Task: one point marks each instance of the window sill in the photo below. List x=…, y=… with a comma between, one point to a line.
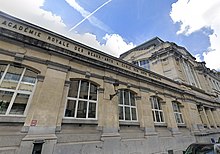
x=129, y=123
x=181, y=125
x=160, y=124
x=12, y=119
x=79, y=121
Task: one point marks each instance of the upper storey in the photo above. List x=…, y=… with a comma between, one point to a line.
x=174, y=62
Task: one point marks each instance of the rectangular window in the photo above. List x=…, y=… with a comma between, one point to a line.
x=177, y=113
x=157, y=111
x=16, y=86
x=127, y=108
x=82, y=100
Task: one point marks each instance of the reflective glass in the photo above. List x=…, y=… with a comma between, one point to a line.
x=5, y=98
x=81, y=110
x=12, y=77
x=73, y=90
x=19, y=104
x=70, y=108
x=93, y=92
x=92, y=110
x=84, y=87
x=134, y=115
x=127, y=113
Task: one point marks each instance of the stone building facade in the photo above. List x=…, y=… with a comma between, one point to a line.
x=60, y=96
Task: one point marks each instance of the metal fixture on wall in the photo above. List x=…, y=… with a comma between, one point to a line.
x=116, y=85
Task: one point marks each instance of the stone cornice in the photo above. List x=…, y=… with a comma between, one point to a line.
x=20, y=31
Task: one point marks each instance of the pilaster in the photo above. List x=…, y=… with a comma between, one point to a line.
x=171, y=121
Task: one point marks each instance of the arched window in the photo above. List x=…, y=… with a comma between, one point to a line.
x=82, y=100
x=127, y=106
x=177, y=113
x=157, y=111
x=16, y=86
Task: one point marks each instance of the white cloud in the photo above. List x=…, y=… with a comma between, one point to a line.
x=114, y=45
x=198, y=58
x=193, y=15
x=32, y=12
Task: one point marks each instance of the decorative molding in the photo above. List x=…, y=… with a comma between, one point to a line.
x=40, y=78
x=138, y=97
x=101, y=90
x=19, y=57
x=67, y=83
x=87, y=75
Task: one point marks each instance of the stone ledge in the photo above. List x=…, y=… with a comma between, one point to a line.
x=12, y=119
x=160, y=124
x=128, y=123
x=79, y=121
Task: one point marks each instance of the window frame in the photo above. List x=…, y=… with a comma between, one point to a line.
x=123, y=105
x=77, y=99
x=16, y=91
x=178, y=113
x=154, y=110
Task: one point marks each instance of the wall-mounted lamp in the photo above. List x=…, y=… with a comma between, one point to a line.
x=115, y=84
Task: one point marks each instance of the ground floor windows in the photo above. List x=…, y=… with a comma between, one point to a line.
x=16, y=86
x=82, y=100
x=127, y=106
x=157, y=111
x=177, y=113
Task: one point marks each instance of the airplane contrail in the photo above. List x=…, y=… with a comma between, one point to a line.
x=90, y=15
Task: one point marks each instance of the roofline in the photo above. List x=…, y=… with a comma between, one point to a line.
x=129, y=51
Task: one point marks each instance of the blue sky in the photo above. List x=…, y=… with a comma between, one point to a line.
x=118, y=25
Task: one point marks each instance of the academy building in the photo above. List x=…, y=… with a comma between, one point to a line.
x=59, y=96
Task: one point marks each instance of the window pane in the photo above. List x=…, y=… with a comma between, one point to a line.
x=161, y=117
x=126, y=97
x=93, y=92
x=5, y=98
x=92, y=110
x=156, y=103
x=175, y=107
x=70, y=108
x=134, y=115
x=2, y=69
x=12, y=77
x=132, y=99
x=28, y=80
x=177, y=117
x=73, y=90
x=152, y=102
x=121, y=116
x=19, y=104
x=29, y=76
x=157, y=116
x=120, y=97
x=181, y=118
x=127, y=113
x=81, y=111
x=153, y=116
x=84, y=90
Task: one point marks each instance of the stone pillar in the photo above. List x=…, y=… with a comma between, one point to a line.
x=216, y=116
x=42, y=116
x=205, y=118
x=62, y=106
x=211, y=118
x=110, y=112
x=171, y=121
x=188, y=119
x=145, y=114
x=193, y=119
x=110, y=122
